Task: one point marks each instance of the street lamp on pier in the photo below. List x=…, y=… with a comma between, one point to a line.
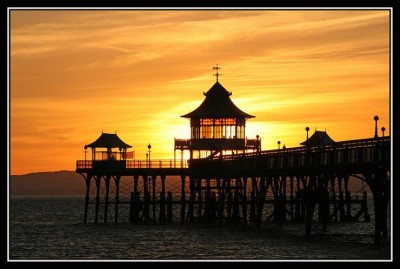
x=307, y=129
x=149, y=147
x=376, y=118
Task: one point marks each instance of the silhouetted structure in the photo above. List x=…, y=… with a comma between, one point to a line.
x=319, y=138
x=217, y=126
x=228, y=178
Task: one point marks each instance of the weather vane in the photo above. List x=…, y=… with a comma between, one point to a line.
x=217, y=74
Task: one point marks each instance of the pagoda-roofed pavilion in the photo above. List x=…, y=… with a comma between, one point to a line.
x=108, y=142
x=217, y=125
x=319, y=138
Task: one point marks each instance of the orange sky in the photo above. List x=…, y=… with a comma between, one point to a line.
x=74, y=74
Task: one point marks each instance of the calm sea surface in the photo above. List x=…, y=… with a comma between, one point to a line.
x=51, y=228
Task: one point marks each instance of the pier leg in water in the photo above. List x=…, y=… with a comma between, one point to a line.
x=96, y=213
x=222, y=196
x=229, y=202
x=348, y=199
x=324, y=207
x=334, y=201
x=292, y=218
x=146, y=199
x=365, y=205
x=214, y=206
x=107, y=181
x=183, y=199
x=253, y=200
x=235, y=207
x=380, y=187
x=135, y=208
x=207, y=201
x=297, y=209
x=310, y=206
x=169, y=207
x=260, y=200
x=341, y=200
x=200, y=200
x=117, y=179
x=191, y=199
x=87, y=180
x=302, y=196
x=310, y=199
x=244, y=199
x=135, y=183
x=153, y=177
x=162, y=217
x=132, y=208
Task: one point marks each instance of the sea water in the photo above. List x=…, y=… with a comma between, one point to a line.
x=51, y=228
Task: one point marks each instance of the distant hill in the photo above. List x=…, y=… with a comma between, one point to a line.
x=48, y=183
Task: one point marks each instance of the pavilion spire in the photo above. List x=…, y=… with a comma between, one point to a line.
x=217, y=74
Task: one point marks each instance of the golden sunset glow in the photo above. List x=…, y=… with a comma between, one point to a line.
x=74, y=74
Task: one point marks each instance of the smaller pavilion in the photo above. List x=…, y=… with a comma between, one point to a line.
x=319, y=138
x=109, y=142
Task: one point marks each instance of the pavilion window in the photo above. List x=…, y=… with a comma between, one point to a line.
x=220, y=128
x=206, y=131
x=218, y=131
x=195, y=132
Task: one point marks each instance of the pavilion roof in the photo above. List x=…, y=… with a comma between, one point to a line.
x=217, y=104
x=319, y=138
x=108, y=141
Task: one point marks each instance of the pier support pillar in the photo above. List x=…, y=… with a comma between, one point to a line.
x=244, y=198
x=341, y=200
x=365, y=207
x=253, y=200
x=106, y=202
x=380, y=187
x=136, y=206
x=310, y=201
x=292, y=218
x=162, y=200
x=348, y=216
x=87, y=180
x=334, y=201
x=153, y=199
x=169, y=207
x=96, y=213
x=135, y=183
x=191, y=199
x=117, y=180
x=183, y=199
x=146, y=199
x=235, y=207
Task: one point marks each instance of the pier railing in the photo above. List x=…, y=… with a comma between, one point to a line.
x=353, y=152
x=130, y=164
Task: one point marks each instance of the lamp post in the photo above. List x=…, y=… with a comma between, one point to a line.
x=376, y=118
x=258, y=143
x=149, y=147
x=307, y=129
x=383, y=131
x=85, y=147
x=279, y=144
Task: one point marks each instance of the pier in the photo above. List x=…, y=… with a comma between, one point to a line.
x=229, y=178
